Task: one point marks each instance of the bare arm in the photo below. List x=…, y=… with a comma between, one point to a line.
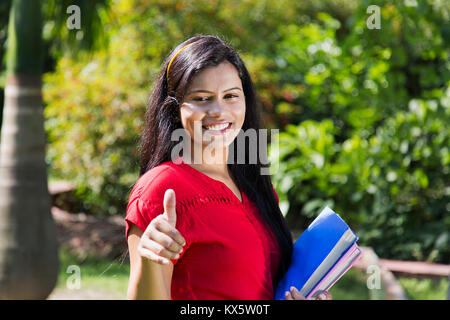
x=150, y=252
x=148, y=279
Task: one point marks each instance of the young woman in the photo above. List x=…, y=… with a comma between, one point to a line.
x=208, y=226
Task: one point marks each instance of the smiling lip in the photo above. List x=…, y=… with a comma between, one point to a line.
x=217, y=124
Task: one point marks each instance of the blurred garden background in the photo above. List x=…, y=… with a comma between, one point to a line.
x=363, y=117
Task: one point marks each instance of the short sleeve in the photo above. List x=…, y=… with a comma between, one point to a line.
x=141, y=213
x=146, y=202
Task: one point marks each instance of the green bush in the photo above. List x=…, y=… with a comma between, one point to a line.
x=93, y=125
x=392, y=188
x=363, y=114
x=425, y=289
x=95, y=103
x=373, y=138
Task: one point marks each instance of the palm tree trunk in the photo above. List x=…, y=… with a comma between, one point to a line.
x=28, y=247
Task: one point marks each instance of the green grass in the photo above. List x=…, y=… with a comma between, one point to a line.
x=112, y=277
x=95, y=273
x=424, y=289
x=108, y=276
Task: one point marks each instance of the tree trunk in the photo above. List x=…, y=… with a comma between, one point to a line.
x=28, y=246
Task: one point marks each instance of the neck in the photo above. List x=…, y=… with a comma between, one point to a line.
x=211, y=160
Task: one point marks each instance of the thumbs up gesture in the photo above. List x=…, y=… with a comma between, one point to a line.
x=169, y=207
x=161, y=241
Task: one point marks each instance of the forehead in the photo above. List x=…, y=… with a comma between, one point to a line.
x=224, y=75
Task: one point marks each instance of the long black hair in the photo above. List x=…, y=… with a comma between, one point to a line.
x=161, y=120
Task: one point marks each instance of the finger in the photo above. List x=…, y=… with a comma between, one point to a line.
x=296, y=294
x=327, y=295
x=158, y=249
x=165, y=241
x=169, y=207
x=147, y=254
x=324, y=295
x=164, y=226
x=288, y=296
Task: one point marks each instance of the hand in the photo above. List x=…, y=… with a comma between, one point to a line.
x=294, y=294
x=161, y=241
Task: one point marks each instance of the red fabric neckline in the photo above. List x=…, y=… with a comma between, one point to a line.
x=208, y=179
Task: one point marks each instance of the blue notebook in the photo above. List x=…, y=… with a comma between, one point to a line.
x=315, y=252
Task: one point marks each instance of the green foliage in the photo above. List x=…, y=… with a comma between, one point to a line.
x=93, y=125
x=391, y=187
x=363, y=113
x=424, y=289
x=352, y=286
x=96, y=102
x=91, y=36
x=381, y=156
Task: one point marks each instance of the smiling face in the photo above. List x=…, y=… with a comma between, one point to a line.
x=213, y=108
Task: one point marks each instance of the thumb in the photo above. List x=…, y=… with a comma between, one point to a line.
x=169, y=207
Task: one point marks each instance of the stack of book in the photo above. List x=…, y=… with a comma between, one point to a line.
x=321, y=255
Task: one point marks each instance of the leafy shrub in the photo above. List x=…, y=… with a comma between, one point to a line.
x=425, y=289
x=95, y=103
x=371, y=139
x=93, y=125
x=362, y=112
x=392, y=188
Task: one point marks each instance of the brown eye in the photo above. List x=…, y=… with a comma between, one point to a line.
x=229, y=96
x=201, y=99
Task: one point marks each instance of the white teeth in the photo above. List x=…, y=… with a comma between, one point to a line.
x=217, y=127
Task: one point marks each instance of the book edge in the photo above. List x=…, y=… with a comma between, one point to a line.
x=323, y=268
x=350, y=259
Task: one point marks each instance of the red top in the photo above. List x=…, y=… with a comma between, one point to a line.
x=229, y=253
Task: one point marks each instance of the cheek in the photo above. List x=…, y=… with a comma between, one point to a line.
x=189, y=116
x=239, y=113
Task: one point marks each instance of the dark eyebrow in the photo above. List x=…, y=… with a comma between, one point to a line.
x=206, y=91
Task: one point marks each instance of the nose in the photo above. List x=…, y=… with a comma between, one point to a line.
x=215, y=109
